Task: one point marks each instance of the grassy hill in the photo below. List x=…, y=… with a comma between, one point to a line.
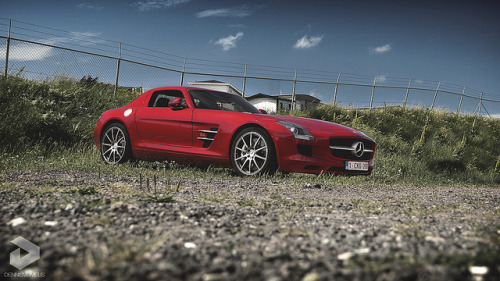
x=55, y=119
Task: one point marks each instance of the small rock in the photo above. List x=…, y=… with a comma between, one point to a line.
x=478, y=270
x=345, y=256
x=50, y=223
x=73, y=249
x=362, y=251
x=17, y=221
x=317, y=185
x=433, y=239
x=189, y=245
x=132, y=207
x=312, y=276
x=118, y=205
x=214, y=276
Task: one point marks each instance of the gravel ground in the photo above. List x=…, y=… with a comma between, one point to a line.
x=92, y=227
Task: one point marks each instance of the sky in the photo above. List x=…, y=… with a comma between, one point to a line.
x=456, y=42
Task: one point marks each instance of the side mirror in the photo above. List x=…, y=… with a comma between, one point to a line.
x=176, y=104
x=263, y=111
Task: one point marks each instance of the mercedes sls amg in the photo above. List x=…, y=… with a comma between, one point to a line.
x=200, y=126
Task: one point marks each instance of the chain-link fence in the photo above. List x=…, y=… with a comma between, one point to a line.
x=37, y=52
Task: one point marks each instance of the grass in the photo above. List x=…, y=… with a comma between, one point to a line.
x=415, y=146
x=247, y=202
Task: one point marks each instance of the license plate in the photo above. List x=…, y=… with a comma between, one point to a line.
x=356, y=166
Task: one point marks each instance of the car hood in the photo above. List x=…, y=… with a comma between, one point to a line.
x=320, y=127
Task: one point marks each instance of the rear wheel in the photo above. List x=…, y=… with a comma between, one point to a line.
x=115, y=144
x=252, y=153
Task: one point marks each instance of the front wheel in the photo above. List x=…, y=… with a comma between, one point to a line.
x=115, y=144
x=252, y=153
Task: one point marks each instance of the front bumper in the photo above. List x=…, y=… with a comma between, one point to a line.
x=316, y=157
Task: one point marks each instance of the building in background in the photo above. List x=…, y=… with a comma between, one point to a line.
x=216, y=86
x=277, y=102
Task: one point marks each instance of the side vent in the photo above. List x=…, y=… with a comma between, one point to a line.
x=208, y=136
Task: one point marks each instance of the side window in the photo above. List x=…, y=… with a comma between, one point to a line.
x=162, y=98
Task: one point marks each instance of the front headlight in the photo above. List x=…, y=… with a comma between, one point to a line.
x=297, y=131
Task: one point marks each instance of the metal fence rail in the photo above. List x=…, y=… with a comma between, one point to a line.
x=38, y=52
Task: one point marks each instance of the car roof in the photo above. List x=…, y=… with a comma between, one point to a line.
x=187, y=89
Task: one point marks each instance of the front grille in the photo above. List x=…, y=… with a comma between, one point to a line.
x=351, y=149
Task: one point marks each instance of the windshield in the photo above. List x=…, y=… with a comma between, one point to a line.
x=221, y=101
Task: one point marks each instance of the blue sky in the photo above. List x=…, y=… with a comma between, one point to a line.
x=455, y=42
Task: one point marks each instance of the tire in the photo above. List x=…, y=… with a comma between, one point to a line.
x=115, y=144
x=253, y=153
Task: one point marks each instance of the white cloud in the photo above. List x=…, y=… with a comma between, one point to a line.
x=307, y=42
x=239, y=25
x=149, y=5
x=229, y=42
x=497, y=115
x=381, y=49
x=89, y=6
x=24, y=52
x=33, y=52
x=85, y=38
x=238, y=12
x=381, y=78
x=79, y=38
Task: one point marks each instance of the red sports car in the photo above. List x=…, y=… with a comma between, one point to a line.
x=207, y=127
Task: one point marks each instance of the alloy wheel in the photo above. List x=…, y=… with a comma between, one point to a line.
x=251, y=153
x=113, y=145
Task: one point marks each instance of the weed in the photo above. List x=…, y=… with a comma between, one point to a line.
x=158, y=197
x=411, y=230
x=8, y=185
x=102, y=219
x=246, y=202
x=214, y=199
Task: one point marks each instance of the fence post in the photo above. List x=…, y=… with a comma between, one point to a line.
x=293, y=91
x=435, y=96
x=244, y=80
x=373, y=92
x=461, y=99
x=7, y=51
x=118, y=69
x=480, y=104
x=407, y=92
x=336, y=87
x=182, y=73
